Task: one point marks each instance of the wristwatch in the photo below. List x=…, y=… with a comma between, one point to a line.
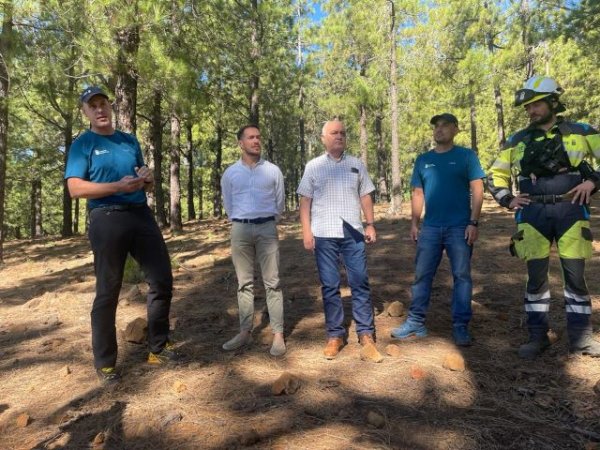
x=474, y=222
x=370, y=223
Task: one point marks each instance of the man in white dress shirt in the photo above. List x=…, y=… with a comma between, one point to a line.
x=254, y=198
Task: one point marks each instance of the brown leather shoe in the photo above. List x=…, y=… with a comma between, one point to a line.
x=369, y=352
x=333, y=347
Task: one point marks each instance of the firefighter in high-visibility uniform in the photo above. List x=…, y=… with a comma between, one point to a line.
x=555, y=185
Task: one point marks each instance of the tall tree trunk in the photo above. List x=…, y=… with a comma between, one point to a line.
x=76, y=217
x=497, y=93
x=254, y=58
x=200, y=190
x=127, y=40
x=364, y=140
x=36, y=208
x=301, y=120
x=190, y=161
x=396, y=204
x=382, y=186
x=67, y=222
x=525, y=16
x=271, y=149
x=175, y=181
x=157, y=156
x=216, y=174
x=5, y=58
x=473, y=117
x=67, y=219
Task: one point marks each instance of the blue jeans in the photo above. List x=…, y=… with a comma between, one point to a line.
x=352, y=250
x=430, y=246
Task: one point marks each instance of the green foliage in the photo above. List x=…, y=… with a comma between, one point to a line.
x=203, y=56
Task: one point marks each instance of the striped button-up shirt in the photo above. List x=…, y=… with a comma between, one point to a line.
x=252, y=192
x=335, y=188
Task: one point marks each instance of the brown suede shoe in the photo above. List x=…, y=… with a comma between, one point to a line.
x=369, y=352
x=333, y=347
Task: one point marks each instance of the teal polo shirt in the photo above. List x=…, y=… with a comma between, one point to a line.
x=105, y=159
x=445, y=179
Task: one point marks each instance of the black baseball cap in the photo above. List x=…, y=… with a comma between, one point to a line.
x=89, y=92
x=450, y=118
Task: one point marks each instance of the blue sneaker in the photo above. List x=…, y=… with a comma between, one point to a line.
x=408, y=329
x=461, y=335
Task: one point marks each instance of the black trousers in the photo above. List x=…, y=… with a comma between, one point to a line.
x=113, y=234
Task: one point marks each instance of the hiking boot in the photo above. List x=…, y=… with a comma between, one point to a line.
x=581, y=342
x=408, y=329
x=534, y=348
x=369, y=352
x=108, y=376
x=461, y=336
x=333, y=347
x=238, y=341
x=167, y=355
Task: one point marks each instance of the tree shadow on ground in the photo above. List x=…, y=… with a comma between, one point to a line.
x=499, y=402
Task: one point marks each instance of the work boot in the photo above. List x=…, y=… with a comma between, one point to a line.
x=333, y=347
x=369, y=352
x=581, y=341
x=535, y=347
x=409, y=329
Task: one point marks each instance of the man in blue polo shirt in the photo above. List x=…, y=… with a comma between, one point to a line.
x=106, y=167
x=448, y=181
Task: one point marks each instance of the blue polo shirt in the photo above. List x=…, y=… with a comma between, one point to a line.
x=445, y=179
x=106, y=159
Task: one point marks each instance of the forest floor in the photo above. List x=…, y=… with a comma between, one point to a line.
x=50, y=397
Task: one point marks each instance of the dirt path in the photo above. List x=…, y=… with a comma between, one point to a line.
x=224, y=400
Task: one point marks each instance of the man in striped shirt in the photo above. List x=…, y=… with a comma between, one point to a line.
x=334, y=189
x=254, y=198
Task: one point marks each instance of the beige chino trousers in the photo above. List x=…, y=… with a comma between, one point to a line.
x=250, y=243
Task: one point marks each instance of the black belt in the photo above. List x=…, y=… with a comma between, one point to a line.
x=256, y=221
x=121, y=206
x=549, y=198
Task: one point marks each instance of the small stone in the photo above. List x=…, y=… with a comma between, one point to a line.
x=395, y=309
x=454, y=362
x=131, y=294
x=99, y=439
x=553, y=337
x=502, y=316
x=179, y=386
x=417, y=373
x=393, y=350
x=171, y=417
x=375, y=419
x=544, y=400
x=286, y=383
x=65, y=371
x=597, y=388
x=23, y=420
x=329, y=382
x=250, y=437
x=136, y=331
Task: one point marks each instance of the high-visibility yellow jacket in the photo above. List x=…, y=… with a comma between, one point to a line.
x=580, y=140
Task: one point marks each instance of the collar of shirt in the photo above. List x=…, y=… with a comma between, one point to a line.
x=341, y=158
x=258, y=163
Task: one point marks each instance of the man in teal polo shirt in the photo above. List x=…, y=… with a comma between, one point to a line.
x=448, y=181
x=106, y=167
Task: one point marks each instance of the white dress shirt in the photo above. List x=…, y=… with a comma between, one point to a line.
x=253, y=192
